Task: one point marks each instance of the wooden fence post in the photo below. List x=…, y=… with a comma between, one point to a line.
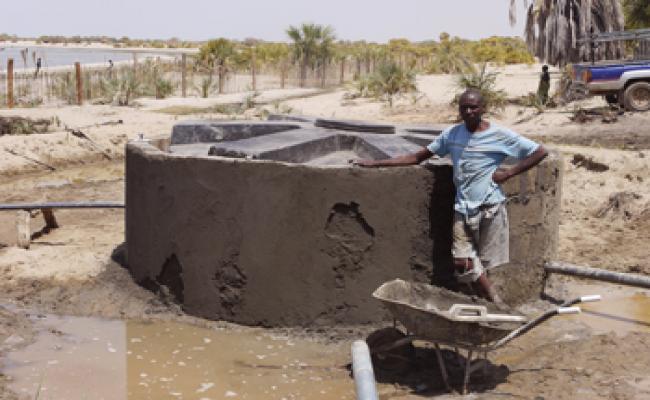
x=23, y=228
x=10, y=83
x=184, y=75
x=80, y=88
x=89, y=85
x=253, y=70
x=342, y=77
x=135, y=63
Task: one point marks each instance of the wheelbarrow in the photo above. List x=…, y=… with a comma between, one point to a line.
x=443, y=317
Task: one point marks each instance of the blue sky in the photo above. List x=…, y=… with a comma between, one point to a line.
x=377, y=20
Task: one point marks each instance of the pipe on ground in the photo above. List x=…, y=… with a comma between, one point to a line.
x=50, y=205
x=364, y=377
x=598, y=274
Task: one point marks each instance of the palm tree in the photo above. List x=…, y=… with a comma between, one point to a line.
x=311, y=44
x=553, y=28
x=637, y=14
x=342, y=53
x=219, y=54
x=391, y=80
x=450, y=57
x=276, y=54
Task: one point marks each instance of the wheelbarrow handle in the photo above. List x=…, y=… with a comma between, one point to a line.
x=583, y=299
x=590, y=298
x=565, y=308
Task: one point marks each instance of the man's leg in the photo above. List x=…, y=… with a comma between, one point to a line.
x=481, y=285
x=488, y=290
x=493, y=245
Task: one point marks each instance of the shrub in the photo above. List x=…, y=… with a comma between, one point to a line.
x=205, y=86
x=484, y=82
x=389, y=80
x=121, y=90
x=164, y=87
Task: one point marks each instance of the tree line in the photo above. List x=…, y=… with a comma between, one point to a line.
x=314, y=48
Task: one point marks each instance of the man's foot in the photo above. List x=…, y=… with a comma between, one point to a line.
x=500, y=303
x=494, y=297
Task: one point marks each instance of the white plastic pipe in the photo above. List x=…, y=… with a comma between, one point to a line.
x=590, y=298
x=364, y=377
x=569, y=310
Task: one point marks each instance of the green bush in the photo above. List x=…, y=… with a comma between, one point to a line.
x=205, y=86
x=388, y=80
x=484, y=82
x=501, y=50
x=121, y=90
x=164, y=88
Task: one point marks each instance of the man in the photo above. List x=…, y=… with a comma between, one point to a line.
x=477, y=148
x=38, y=67
x=544, y=85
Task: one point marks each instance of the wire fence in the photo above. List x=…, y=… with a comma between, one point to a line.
x=163, y=77
x=642, y=51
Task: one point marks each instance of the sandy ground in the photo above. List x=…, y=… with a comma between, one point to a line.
x=605, y=223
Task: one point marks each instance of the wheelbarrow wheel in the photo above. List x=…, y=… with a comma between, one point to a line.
x=385, y=356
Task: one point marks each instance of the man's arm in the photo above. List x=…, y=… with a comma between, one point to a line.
x=408, y=159
x=503, y=174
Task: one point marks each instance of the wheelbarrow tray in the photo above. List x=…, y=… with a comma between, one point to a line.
x=424, y=311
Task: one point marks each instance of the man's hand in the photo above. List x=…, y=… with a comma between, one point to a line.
x=501, y=175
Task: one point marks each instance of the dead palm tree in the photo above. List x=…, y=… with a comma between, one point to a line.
x=553, y=28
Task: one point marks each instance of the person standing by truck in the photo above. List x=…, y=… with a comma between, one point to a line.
x=544, y=85
x=477, y=148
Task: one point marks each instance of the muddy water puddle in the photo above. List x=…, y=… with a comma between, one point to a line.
x=85, y=358
x=619, y=313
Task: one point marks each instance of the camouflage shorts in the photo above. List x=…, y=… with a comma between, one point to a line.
x=484, y=238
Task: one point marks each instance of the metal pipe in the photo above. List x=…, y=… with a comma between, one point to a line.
x=50, y=205
x=364, y=377
x=598, y=274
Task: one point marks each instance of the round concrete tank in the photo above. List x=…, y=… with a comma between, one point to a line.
x=265, y=223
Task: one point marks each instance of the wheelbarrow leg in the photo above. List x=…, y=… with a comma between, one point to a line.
x=468, y=363
x=443, y=368
x=485, y=364
x=459, y=358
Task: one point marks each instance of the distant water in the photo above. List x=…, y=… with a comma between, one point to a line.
x=56, y=57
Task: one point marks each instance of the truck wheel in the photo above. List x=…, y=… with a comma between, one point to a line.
x=637, y=96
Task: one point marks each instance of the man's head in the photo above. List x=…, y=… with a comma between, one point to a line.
x=545, y=68
x=471, y=107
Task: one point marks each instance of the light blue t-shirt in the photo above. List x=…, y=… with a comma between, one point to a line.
x=475, y=157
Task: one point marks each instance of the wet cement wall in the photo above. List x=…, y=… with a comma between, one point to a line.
x=280, y=244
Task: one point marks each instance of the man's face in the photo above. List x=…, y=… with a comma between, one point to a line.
x=470, y=109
